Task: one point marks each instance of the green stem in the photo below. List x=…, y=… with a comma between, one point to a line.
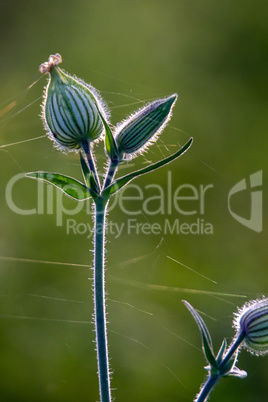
x=99, y=302
x=232, y=350
x=110, y=174
x=207, y=387
x=91, y=163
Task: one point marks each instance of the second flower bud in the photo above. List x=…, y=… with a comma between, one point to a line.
x=140, y=130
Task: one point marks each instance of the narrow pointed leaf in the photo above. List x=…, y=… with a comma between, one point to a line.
x=110, y=144
x=221, y=352
x=229, y=366
x=236, y=372
x=68, y=185
x=206, y=338
x=122, y=181
x=85, y=169
x=93, y=185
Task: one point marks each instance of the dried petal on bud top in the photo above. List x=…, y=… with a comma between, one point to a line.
x=252, y=322
x=140, y=130
x=53, y=60
x=69, y=108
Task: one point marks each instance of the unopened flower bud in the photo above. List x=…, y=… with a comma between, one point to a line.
x=140, y=130
x=69, y=108
x=252, y=322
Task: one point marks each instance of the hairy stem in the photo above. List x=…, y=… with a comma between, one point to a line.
x=233, y=348
x=91, y=162
x=207, y=387
x=99, y=302
x=110, y=174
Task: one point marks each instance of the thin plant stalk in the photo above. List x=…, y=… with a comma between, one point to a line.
x=99, y=288
x=91, y=162
x=110, y=174
x=99, y=301
x=207, y=387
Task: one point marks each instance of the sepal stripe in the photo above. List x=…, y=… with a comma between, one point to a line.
x=148, y=126
x=149, y=123
x=58, y=118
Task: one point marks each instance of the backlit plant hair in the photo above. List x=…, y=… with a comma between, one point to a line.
x=75, y=118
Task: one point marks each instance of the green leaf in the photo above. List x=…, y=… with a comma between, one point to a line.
x=88, y=176
x=206, y=338
x=85, y=169
x=221, y=352
x=236, y=372
x=110, y=144
x=229, y=365
x=122, y=181
x=67, y=184
x=93, y=185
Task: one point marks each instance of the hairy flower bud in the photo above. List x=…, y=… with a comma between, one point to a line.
x=143, y=128
x=69, y=108
x=252, y=322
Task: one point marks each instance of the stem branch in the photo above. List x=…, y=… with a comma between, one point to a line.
x=91, y=162
x=213, y=378
x=232, y=349
x=110, y=174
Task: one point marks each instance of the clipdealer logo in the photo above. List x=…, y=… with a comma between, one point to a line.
x=183, y=207
x=254, y=191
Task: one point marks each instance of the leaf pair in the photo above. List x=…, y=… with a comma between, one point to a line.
x=79, y=191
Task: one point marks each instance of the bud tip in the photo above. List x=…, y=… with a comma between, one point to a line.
x=53, y=60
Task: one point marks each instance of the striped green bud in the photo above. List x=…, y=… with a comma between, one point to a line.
x=140, y=130
x=252, y=322
x=69, y=110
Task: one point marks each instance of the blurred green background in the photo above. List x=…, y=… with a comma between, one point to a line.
x=214, y=55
